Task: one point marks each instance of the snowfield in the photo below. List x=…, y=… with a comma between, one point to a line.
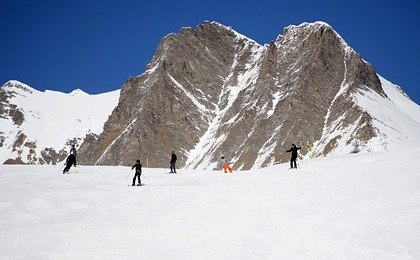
x=52, y=118
x=354, y=206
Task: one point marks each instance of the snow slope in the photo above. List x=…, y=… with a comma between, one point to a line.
x=324, y=210
x=401, y=99
x=396, y=120
x=52, y=118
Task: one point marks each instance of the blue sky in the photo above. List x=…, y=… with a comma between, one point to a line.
x=97, y=45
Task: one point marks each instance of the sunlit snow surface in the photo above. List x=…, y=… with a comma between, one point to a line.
x=353, y=206
x=52, y=118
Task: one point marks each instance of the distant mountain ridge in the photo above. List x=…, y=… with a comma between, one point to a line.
x=39, y=127
x=210, y=91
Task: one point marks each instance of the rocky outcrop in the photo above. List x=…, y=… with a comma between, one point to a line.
x=211, y=91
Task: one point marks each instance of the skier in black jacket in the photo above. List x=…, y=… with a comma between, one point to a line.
x=294, y=151
x=137, y=174
x=71, y=160
x=74, y=152
x=173, y=162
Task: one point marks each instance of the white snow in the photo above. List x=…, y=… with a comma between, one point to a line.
x=279, y=95
x=361, y=206
x=400, y=99
x=328, y=130
x=52, y=118
x=396, y=120
x=200, y=155
x=267, y=149
x=238, y=35
x=152, y=70
x=197, y=103
x=398, y=129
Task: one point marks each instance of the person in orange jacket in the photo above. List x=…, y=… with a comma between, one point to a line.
x=224, y=162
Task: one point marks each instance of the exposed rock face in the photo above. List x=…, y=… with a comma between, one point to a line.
x=171, y=105
x=12, y=111
x=210, y=91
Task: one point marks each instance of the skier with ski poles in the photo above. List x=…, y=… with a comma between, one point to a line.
x=294, y=151
x=71, y=160
x=74, y=152
x=137, y=174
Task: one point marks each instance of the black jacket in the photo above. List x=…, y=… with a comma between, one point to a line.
x=137, y=166
x=71, y=159
x=294, y=151
x=173, y=158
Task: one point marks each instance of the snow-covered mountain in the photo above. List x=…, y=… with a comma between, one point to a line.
x=395, y=120
x=39, y=127
x=210, y=91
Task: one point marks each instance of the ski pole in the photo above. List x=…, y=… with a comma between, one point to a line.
x=127, y=175
x=61, y=168
x=145, y=177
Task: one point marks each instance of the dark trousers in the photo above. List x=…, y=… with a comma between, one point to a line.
x=70, y=161
x=138, y=178
x=67, y=168
x=293, y=161
x=173, y=167
x=69, y=164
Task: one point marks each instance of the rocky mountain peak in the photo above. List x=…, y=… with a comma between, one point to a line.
x=78, y=92
x=314, y=26
x=318, y=31
x=206, y=30
x=211, y=91
x=17, y=87
x=37, y=127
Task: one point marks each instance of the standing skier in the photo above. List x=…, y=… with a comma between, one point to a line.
x=173, y=162
x=137, y=174
x=294, y=151
x=224, y=163
x=71, y=160
x=74, y=152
